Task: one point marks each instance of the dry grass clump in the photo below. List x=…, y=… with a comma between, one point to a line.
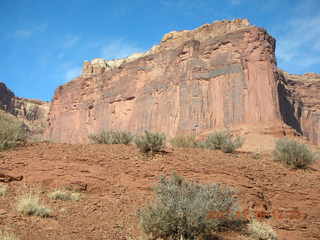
x=3, y=190
x=12, y=132
x=7, y=236
x=29, y=204
x=150, y=142
x=112, y=137
x=184, y=210
x=261, y=231
x=64, y=195
x=293, y=154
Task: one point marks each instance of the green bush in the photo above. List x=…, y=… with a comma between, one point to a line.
x=150, y=142
x=112, y=137
x=182, y=209
x=12, y=132
x=293, y=154
x=184, y=142
x=224, y=141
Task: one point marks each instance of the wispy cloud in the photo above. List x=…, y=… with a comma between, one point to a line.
x=70, y=41
x=72, y=73
x=28, y=32
x=300, y=41
x=235, y=2
x=23, y=33
x=118, y=49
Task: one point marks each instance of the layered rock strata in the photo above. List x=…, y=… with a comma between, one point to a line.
x=219, y=75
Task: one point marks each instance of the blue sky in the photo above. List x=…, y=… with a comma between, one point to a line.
x=43, y=43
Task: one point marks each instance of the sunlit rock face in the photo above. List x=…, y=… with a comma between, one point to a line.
x=219, y=75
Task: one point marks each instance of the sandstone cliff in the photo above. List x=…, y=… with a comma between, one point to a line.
x=219, y=75
x=300, y=103
x=33, y=113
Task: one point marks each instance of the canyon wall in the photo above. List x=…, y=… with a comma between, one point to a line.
x=33, y=113
x=300, y=103
x=216, y=76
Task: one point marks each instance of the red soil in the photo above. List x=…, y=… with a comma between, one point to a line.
x=116, y=180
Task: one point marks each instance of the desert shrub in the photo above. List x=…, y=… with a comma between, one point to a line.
x=223, y=140
x=293, y=154
x=184, y=142
x=150, y=142
x=183, y=210
x=112, y=137
x=261, y=231
x=12, y=132
x=7, y=236
x=3, y=189
x=64, y=195
x=29, y=204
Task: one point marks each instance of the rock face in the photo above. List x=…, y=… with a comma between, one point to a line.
x=300, y=103
x=33, y=112
x=219, y=75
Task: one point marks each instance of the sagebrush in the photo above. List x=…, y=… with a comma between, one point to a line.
x=222, y=140
x=183, y=210
x=293, y=154
x=12, y=132
x=150, y=142
x=112, y=137
x=184, y=142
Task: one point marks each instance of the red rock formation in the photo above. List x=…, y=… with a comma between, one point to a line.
x=300, y=103
x=33, y=112
x=219, y=75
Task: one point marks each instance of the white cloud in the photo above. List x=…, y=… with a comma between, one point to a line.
x=72, y=73
x=118, y=49
x=70, y=41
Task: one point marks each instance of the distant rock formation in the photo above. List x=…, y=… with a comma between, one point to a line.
x=300, y=103
x=220, y=75
x=33, y=113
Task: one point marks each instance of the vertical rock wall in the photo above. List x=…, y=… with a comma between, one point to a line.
x=219, y=75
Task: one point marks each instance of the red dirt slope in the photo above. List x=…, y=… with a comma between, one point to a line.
x=116, y=180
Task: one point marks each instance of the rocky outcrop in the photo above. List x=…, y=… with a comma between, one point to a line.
x=300, y=103
x=34, y=113
x=219, y=75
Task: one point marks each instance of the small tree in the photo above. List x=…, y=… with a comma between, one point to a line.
x=150, y=142
x=293, y=154
x=182, y=209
